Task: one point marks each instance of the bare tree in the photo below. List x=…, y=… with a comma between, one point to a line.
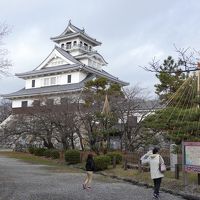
x=66, y=123
x=5, y=63
x=5, y=109
x=131, y=111
x=188, y=60
x=49, y=123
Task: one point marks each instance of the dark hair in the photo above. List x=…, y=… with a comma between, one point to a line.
x=155, y=150
x=90, y=156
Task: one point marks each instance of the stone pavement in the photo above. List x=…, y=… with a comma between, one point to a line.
x=22, y=181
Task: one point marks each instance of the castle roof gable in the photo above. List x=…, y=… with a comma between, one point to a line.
x=73, y=31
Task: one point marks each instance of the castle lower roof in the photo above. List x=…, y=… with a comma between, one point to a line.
x=49, y=90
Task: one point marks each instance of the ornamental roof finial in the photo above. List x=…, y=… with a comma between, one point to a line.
x=83, y=29
x=69, y=21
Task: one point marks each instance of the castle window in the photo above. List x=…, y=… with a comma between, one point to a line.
x=85, y=46
x=69, y=78
x=62, y=46
x=49, y=81
x=46, y=81
x=33, y=83
x=81, y=43
x=75, y=43
x=68, y=45
x=24, y=104
x=53, y=80
x=90, y=48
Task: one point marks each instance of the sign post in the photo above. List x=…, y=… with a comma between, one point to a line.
x=183, y=165
x=191, y=159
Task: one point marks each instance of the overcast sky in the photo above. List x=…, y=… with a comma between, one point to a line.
x=132, y=32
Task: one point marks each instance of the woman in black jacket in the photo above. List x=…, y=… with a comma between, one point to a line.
x=90, y=166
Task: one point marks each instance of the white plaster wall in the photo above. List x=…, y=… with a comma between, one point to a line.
x=18, y=102
x=61, y=79
x=76, y=52
x=82, y=76
x=84, y=61
x=28, y=83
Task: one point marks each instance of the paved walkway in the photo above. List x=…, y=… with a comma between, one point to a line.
x=22, y=181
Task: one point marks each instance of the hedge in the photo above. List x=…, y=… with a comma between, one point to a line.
x=72, y=156
x=39, y=151
x=31, y=150
x=118, y=156
x=47, y=153
x=101, y=162
x=54, y=154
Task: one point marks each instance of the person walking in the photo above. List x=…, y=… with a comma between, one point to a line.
x=157, y=167
x=90, y=167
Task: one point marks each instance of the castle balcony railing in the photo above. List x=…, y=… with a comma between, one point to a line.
x=79, y=46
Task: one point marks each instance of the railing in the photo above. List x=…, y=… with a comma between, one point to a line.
x=79, y=46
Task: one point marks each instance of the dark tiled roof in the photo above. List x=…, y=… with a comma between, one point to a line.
x=148, y=104
x=77, y=32
x=66, y=55
x=91, y=54
x=48, y=70
x=65, y=68
x=53, y=69
x=105, y=74
x=75, y=28
x=56, y=89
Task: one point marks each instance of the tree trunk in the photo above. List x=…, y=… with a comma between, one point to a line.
x=64, y=143
x=48, y=144
x=72, y=141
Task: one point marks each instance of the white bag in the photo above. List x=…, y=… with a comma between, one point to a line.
x=162, y=166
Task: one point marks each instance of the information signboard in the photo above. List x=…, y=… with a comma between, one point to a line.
x=191, y=156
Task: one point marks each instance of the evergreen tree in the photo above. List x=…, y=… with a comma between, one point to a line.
x=99, y=125
x=170, y=78
x=179, y=119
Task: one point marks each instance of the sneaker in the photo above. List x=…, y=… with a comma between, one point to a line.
x=155, y=196
x=84, y=186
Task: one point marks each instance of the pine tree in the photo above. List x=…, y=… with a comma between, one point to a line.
x=179, y=119
x=170, y=78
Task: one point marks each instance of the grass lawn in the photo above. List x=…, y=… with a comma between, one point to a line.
x=169, y=182
x=50, y=164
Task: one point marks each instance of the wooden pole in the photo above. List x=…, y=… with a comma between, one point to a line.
x=185, y=181
x=125, y=164
x=177, y=171
x=114, y=161
x=198, y=179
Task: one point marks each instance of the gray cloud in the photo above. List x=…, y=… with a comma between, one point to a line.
x=132, y=32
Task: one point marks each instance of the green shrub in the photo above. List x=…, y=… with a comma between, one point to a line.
x=54, y=154
x=47, y=153
x=118, y=156
x=72, y=156
x=31, y=150
x=39, y=151
x=102, y=162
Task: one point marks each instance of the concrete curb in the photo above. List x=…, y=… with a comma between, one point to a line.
x=142, y=184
